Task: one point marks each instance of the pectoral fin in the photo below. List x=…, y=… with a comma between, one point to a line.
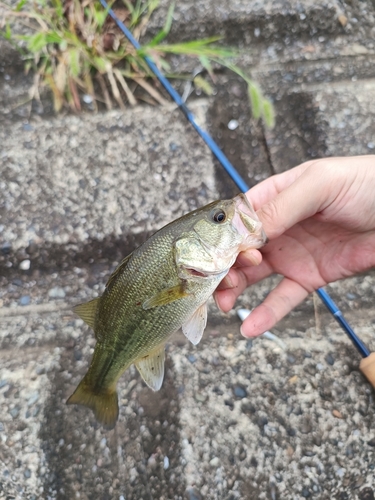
x=151, y=368
x=87, y=311
x=166, y=296
x=194, y=328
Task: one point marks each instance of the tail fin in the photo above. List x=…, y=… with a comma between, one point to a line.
x=104, y=404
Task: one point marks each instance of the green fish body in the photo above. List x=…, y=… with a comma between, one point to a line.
x=161, y=287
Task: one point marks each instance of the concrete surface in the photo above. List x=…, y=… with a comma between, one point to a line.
x=234, y=419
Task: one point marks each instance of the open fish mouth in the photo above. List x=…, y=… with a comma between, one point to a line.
x=196, y=272
x=202, y=274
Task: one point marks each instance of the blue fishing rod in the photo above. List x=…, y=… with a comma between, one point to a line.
x=367, y=364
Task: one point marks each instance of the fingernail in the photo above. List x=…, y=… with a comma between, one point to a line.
x=242, y=332
x=228, y=283
x=247, y=335
x=255, y=260
x=217, y=304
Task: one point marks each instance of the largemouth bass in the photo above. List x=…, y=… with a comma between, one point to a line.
x=161, y=287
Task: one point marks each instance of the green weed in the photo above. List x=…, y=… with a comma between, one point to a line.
x=77, y=50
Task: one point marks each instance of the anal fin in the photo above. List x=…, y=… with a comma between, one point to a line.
x=151, y=368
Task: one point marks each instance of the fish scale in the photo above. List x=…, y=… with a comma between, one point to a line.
x=162, y=286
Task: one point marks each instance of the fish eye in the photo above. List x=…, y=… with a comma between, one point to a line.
x=219, y=216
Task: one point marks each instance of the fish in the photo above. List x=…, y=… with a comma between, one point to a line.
x=162, y=286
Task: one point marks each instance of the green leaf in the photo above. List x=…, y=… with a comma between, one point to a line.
x=20, y=4
x=8, y=32
x=256, y=100
x=100, y=64
x=268, y=113
x=129, y=6
x=36, y=42
x=100, y=15
x=53, y=37
x=167, y=27
x=205, y=62
x=58, y=8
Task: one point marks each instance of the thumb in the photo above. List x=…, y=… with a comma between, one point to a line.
x=310, y=193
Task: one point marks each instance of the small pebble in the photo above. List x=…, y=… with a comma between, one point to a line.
x=25, y=300
x=87, y=99
x=25, y=265
x=6, y=248
x=166, y=463
x=27, y=473
x=239, y=392
x=306, y=493
x=191, y=358
x=214, y=462
x=14, y=412
x=337, y=414
x=340, y=472
x=371, y=442
x=56, y=293
x=233, y=124
x=193, y=494
x=291, y=359
x=308, y=453
x=330, y=359
x=201, y=397
x=77, y=354
x=33, y=398
x=229, y=403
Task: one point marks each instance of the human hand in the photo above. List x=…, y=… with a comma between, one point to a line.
x=320, y=221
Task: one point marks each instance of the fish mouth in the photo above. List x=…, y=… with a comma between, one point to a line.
x=195, y=272
x=198, y=273
x=246, y=222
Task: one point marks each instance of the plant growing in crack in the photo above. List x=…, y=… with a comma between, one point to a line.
x=76, y=50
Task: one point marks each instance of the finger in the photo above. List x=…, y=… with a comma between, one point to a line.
x=226, y=297
x=245, y=259
x=278, y=303
x=250, y=257
x=236, y=281
x=296, y=196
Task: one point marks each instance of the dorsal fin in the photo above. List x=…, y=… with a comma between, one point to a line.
x=118, y=269
x=87, y=311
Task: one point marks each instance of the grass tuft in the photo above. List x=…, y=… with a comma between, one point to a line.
x=78, y=51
